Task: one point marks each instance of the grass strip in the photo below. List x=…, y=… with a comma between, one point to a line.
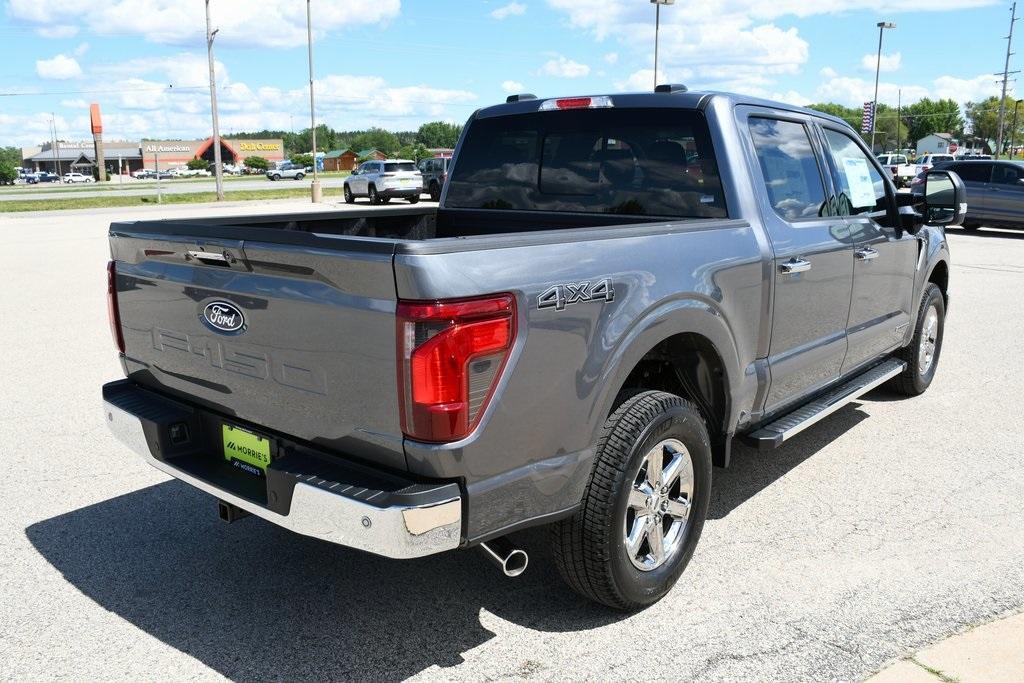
x=148, y=200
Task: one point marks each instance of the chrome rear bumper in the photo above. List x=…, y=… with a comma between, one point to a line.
x=319, y=508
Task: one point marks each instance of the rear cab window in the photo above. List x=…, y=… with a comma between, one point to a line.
x=645, y=162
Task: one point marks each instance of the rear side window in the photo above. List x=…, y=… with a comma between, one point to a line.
x=393, y=167
x=645, y=162
x=790, y=168
x=861, y=188
x=974, y=173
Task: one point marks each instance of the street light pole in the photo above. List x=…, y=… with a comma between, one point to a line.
x=217, y=172
x=317, y=194
x=657, y=26
x=882, y=25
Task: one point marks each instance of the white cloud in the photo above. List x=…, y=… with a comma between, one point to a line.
x=563, y=67
x=828, y=72
x=60, y=67
x=612, y=57
x=886, y=63
x=966, y=89
x=512, y=87
x=58, y=31
x=269, y=23
x=81, y=49
x=512, y=9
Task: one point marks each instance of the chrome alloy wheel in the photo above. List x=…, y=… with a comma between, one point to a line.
x=926, y=347
x=659, y=505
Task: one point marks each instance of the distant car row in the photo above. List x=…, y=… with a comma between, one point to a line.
x=995, y=191
x=903, y=172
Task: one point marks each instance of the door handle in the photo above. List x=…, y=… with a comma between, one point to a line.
x=795, y=265
x=866, y=254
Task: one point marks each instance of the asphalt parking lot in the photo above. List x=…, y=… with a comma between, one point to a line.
x=885, y=527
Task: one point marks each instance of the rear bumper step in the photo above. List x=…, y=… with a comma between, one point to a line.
x=341, y=502
x=773, y=434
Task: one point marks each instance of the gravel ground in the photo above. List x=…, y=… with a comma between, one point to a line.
x=886, y=527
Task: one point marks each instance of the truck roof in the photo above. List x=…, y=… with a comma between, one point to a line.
x=682, y=100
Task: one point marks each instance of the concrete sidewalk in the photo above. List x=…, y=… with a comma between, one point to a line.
x=992, y=653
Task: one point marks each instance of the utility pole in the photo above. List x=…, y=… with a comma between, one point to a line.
x=1013, y=128
x=315, y=187
x=1006, y=76
x=218, y=172
x=657, y=25
x=882, y=25
x=53, y=144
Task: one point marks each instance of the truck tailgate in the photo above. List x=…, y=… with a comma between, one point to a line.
x=311, y=353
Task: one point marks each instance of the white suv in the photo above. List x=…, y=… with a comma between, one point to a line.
x=76, y=178
x=382, y=180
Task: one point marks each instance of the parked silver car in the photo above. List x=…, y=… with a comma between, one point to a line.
x=382, y=180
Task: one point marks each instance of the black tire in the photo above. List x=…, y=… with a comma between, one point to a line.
x=349, y=197
x=915, y=380
x=371, y=192
x=275, y=177
x=970, y=227
x=589, y=548
x=414, y=199
x=435, y=191
x=300, y=176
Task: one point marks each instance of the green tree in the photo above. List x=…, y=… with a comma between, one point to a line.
x=414, y=152
x=7, y=173
x=258, y=163
x=927, y=116
x=10, y=156
x=302, y=159
x=438, y=134
x=376, y=138
x=198, y=164
x=849, y=114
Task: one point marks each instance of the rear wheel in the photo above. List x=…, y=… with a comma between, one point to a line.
x=922, y=356
x=414, y=199
x=435, y=191
x=644, y=507
x=300, y=176
x=349, y=197
x=372, y=194
x=970, y=227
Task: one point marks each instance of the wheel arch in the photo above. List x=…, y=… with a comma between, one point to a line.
x=686, y=349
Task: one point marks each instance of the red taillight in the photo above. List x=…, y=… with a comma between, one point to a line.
x=113, y=313
x=450, y=356
x=577, y=103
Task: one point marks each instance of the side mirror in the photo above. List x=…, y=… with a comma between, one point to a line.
x=355, y=171
x=945, y=200
x=941, y=200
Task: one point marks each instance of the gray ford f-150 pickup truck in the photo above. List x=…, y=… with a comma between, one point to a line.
x=612, y=289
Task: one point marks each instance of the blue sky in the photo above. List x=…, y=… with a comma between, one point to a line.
x=398, y=63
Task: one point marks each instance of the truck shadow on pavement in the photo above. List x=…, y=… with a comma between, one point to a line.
x=253, y=601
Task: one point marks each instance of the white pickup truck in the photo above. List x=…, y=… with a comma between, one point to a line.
x=924, y=163
x=902, y=172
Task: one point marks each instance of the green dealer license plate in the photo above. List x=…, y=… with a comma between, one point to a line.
x=245, y=450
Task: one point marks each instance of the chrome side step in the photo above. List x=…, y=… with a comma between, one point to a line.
x=773, y=434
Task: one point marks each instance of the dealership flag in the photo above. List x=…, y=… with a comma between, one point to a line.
x=867, y=118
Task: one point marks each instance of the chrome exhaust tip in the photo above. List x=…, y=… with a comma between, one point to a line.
x=511, y=560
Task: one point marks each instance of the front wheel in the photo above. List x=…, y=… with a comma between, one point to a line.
x=644, y=507
x=922, y=356
x=414, y=199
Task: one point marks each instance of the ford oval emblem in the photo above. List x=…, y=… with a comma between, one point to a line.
x=222, y=316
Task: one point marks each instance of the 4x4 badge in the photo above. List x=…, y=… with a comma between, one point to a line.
x=560, y=296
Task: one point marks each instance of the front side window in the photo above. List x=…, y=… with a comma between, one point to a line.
x=1007, y=174
x=790, y=168
x=861, y=188
x=653, y=162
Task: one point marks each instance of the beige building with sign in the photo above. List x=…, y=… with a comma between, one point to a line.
x=179, y=152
